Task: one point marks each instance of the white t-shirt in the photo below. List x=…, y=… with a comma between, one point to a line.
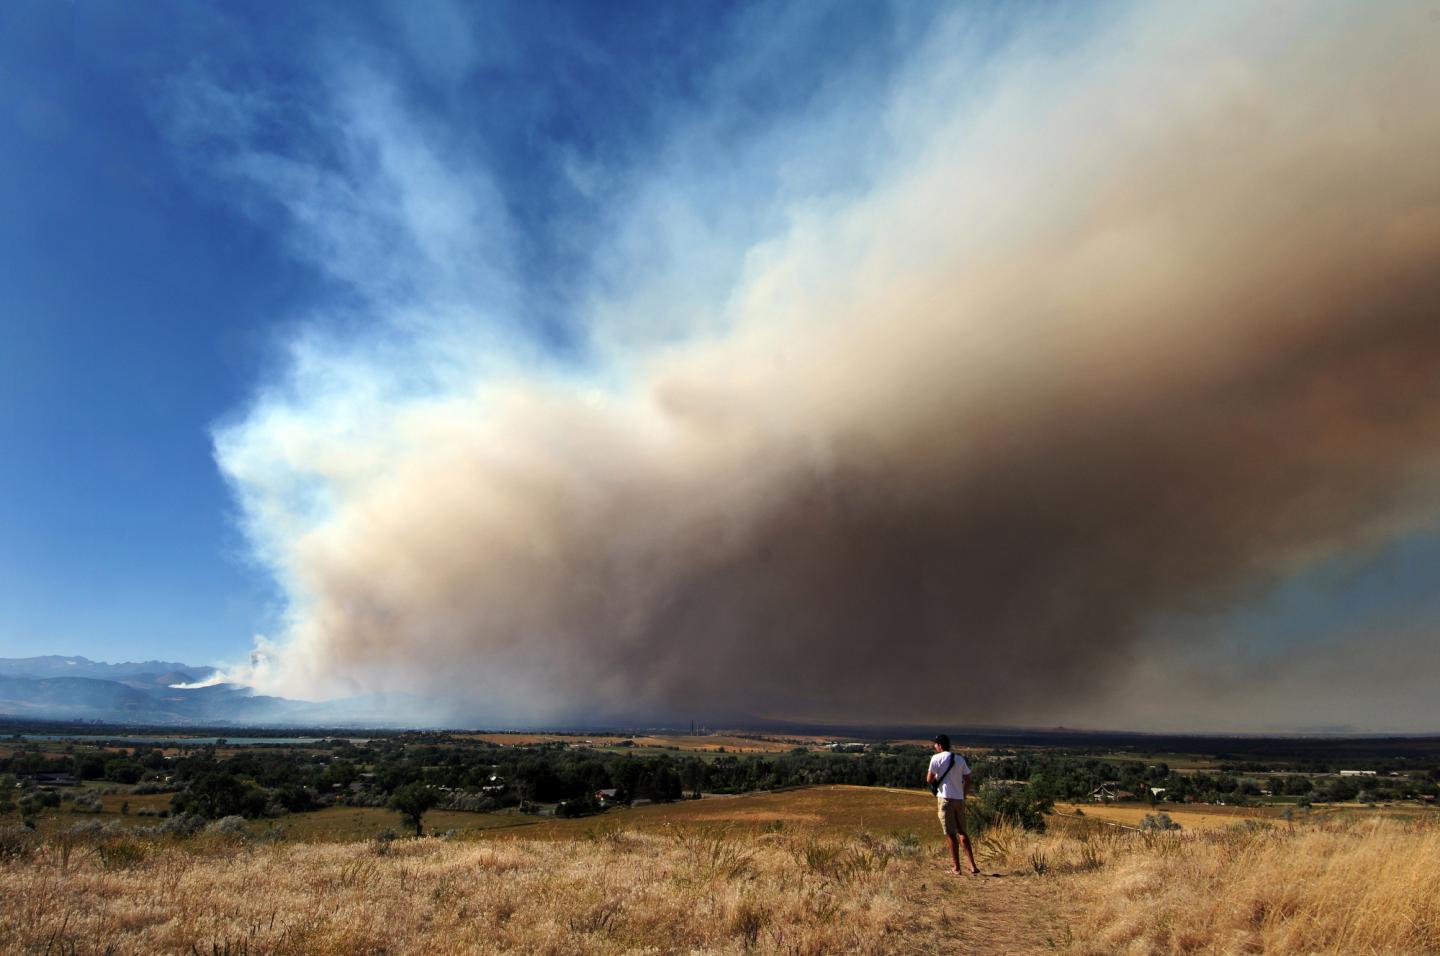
x=953, y=786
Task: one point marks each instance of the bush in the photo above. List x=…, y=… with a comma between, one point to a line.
x=85, y=801
x=16, y=842
x=583, y=807
x=181, y=825
x=275, y=833
x=33, y=801
x=1019, y=807
x=468, y=802
x=121, y=854
x=231, y=826
x=1156, y=822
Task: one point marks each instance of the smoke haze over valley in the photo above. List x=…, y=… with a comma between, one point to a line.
x=1089, y=353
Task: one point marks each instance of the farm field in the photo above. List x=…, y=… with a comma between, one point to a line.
x=1176, y=761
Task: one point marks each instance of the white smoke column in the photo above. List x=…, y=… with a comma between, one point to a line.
x=1119, y=329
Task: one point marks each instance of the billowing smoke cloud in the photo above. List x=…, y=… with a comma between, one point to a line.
x=1112, y=332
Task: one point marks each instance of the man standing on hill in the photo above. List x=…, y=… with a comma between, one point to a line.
x=949, y=780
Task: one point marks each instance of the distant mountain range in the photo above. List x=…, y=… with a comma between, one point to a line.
x=144, y=671
x=77, y=688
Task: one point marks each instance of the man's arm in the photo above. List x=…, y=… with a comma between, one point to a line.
x=965, y=784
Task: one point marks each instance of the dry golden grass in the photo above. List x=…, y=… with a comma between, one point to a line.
x=614, y=891
x=769, y=879
x=347, y=824
x=835, y=810
x=1196, y=816
x=1334, y=886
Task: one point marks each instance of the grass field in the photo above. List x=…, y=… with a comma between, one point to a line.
x=1175, y=761
x=341, y=824
x=830, y=810
x=1190, y=816
x=818, y=870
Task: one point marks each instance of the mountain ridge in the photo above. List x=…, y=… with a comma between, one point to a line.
x=77, y=688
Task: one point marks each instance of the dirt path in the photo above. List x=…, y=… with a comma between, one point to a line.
x=1001, y=913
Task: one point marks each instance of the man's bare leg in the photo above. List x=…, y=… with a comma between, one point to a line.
x=969, y=854
x=954, y=853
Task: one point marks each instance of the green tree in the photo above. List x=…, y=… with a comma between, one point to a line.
x=411, y=802
x=216, y=793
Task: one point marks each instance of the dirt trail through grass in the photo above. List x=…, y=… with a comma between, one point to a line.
x=1004, y=913
x=1009, y=910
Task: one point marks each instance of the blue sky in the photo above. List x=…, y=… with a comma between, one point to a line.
x=144, y=301
x=338, y=331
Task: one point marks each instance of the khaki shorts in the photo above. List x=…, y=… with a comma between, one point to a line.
x=952, y=816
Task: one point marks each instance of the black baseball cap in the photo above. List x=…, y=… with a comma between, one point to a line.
x=941, y=739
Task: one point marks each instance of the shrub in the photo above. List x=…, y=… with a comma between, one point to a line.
x=468, y=802
x=275, y=833
x=181, y=825
x=907, y=843
x=121, y=854
x=33, y=801
x=86, y=801
x=232, y=827
x=1020, y=807
x=1155, y=822
x=583, y=807
x=16, y=842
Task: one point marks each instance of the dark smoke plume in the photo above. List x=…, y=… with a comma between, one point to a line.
x=1154, y=327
